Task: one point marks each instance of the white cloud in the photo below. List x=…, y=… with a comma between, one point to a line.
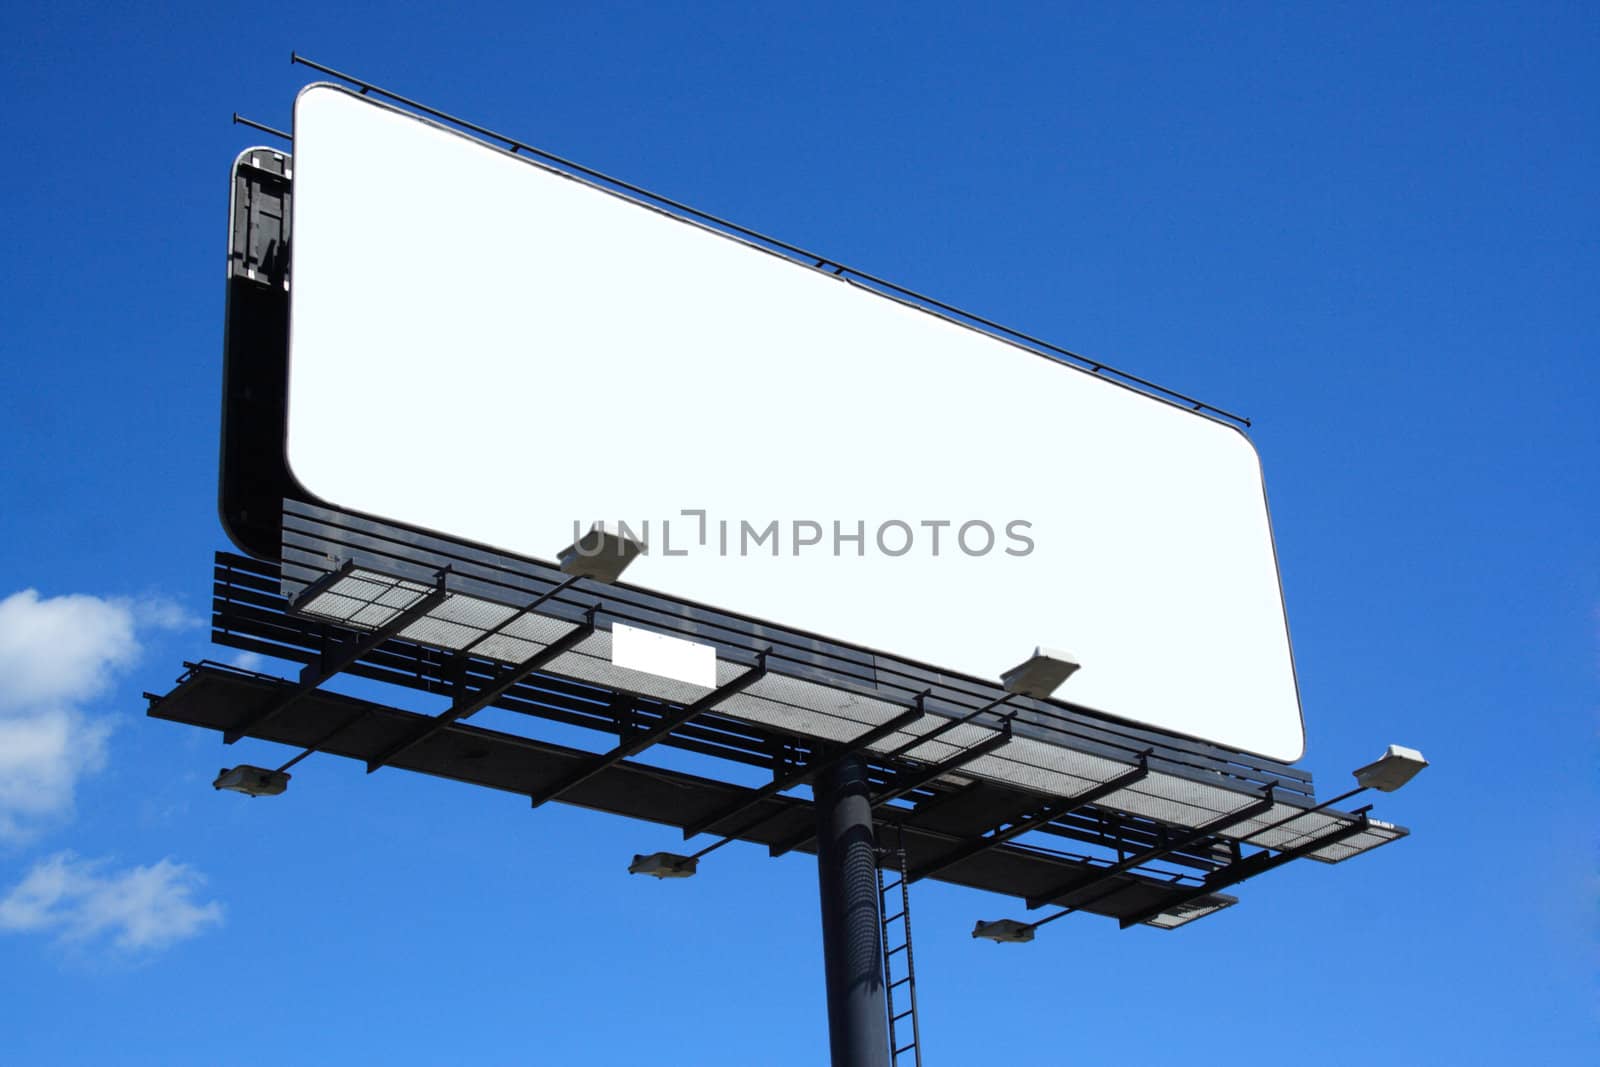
x=55, y=654
x=136, y=909
x=42, y=756
x=61, y=649
x=247, y=661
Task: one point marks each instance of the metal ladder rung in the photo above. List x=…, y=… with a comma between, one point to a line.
x=909, y=979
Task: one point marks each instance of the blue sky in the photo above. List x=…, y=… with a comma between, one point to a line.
x=1373, y=230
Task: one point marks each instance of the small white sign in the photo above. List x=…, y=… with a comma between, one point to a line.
x=669, y=657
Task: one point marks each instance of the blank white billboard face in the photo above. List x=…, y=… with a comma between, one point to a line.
x=485, y=348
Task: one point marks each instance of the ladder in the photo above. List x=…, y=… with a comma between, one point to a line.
x=896, y=924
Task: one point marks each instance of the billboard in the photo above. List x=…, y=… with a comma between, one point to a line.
x=494, y=350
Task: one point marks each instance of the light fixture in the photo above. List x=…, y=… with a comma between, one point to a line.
x=1003, y=931
x=1040, y=674
x=664, y=865
x=602, y=553
x=1392, y=770
x=251, y=781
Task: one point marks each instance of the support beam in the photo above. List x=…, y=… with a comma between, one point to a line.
x=339, y=659
x=799, y=775
x=482, y=698
x=852, y=939
x=915, y=780
x=1250, y=866
x=912, y=781
x=948, y=725
x=1139, y=859
x=645, y=738
x=523, y=612
x=1049, y=813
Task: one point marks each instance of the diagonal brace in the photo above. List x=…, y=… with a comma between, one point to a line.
x=1249, y=867
x=645, y=738
x=482, y=698
x=794, y=778
x=1048, y=814
x=1139, y=859
x=337, y=660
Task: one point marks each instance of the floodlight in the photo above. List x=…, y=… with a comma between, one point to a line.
x=1040, y=674
x=252, y=781
x=1001, y=931
x=1392, y=770
x=664, y=865
x=602, y=554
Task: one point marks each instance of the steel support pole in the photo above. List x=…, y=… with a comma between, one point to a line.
x=852, y=935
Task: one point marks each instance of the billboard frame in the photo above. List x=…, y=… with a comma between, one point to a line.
x=303, y=547
x=256, y=474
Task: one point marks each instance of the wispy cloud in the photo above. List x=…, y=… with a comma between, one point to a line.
x=57, y=653
x=248, y=661
x=133, y=910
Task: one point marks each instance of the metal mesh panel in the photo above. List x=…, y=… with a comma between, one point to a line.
x=429, y=630
x=802, y=694
x=1065, y=760
x=372, y=616
x=470, y=611
x=368, y=600
x=1304, y=828
x=523, y=637
x=330, y=605
x=801, y=707
x=948, y=743
x=1378, y=833
x=997, y=767
x=540, y=629
x=1188, y=913
x=1298, y=830
x=506, y=649
x=1171, y=799
x=364, y=599
x=790, y=719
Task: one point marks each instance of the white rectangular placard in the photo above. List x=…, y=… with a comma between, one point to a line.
x=489, y=349
x=664, y=656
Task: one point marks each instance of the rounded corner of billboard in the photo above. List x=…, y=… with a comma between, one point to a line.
x=295, y=485
x=245, y=154
x=311, y=87
x=319, y=88
x=1299, y=752
x=1243, y=434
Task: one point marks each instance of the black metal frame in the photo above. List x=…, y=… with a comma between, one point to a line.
x=468, y=705
x=217, y=697
x=1100, y=876
x=313, y=535
x=800, y=776
x=1035, y=820
x=339, y=659
x=643, y=739
x=1250, y=866
x=911, y=781
x=252, y=612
